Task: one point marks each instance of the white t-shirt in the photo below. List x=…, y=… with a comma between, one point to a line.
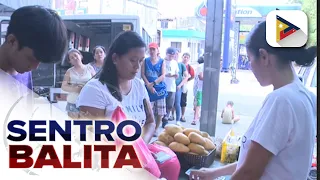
x=285, y=126
x=173, y=68
x=76, y=78
x=95, y=94
x=197, y=82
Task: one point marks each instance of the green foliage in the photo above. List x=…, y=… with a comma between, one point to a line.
x=310, y=8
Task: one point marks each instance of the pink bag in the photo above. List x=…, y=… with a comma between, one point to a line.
x=145, y=157
x=168, y=162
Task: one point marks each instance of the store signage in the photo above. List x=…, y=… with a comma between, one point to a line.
x=201, y=11
x=247, y=12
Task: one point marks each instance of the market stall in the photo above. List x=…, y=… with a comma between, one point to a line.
x=196, y=149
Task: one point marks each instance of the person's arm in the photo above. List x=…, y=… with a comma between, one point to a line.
x=176, y=75
x=163, y=73
x=150, y=126
x=225, y=170
x=213, y=173
x=222, y=113
x=185, y=75
x=200, y=75
x=66, y=86
x=91, y=102
x=232, y=113
x=200, y=72
x=191, y=73
x=143, y=73
x=255, y=163
x=265, y=141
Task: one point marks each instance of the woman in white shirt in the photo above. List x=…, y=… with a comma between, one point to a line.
x=116, y=85
x=279, y=143
x=74, y=79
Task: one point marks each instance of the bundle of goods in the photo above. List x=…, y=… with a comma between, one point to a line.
x=230, y=148
x=193, y=147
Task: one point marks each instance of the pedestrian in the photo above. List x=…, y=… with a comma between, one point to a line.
x=180, y=82
x=116, y=85
x=153, y=72
x=190, y=70
x=74, y=80
x=197, y=90
x=99, y=54
x=172, y=72
x=280, y=140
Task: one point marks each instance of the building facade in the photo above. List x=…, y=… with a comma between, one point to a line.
x=187, y=34
x=147, y=10
x=190, y=41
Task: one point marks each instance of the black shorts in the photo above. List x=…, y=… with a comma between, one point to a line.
x=183, y=102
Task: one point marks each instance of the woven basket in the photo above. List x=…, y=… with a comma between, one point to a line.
x=188, y=160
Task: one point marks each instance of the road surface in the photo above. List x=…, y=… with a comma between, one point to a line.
x=247, y=96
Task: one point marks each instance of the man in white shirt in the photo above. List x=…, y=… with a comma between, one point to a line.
x=172, y=70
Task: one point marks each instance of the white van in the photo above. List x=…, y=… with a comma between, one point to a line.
x=87, y=32
x=308, y=75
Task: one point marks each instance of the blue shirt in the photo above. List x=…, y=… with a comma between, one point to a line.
x=182, y=69
x=25, y=79
x=153, y=71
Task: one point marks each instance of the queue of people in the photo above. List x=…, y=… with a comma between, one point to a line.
x=278, y=144
x=166, y=82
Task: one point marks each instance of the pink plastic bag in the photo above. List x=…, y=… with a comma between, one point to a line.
x=145, y=157
x=170, y=168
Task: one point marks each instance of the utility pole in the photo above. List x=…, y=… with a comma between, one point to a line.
x=211, y=66
x=101, y=6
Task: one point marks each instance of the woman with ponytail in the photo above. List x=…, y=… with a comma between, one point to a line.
x=280, y=140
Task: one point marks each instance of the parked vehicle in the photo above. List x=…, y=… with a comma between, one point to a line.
x=84, y=33
x=308, y=75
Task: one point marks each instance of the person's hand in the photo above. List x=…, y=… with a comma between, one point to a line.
x=152, y=90
x=203, y=174
x=79, y=87
x=175, y=76
x=150, y=85
x=178, y=87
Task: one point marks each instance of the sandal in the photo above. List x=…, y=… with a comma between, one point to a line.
x=183, y=119
x=155, y=134
x=194, y=122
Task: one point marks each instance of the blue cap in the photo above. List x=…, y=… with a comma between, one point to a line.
x=171, y=51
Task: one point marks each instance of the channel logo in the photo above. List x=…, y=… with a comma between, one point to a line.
x=287, y=28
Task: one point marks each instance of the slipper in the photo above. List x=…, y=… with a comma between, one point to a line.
x=183, y=119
